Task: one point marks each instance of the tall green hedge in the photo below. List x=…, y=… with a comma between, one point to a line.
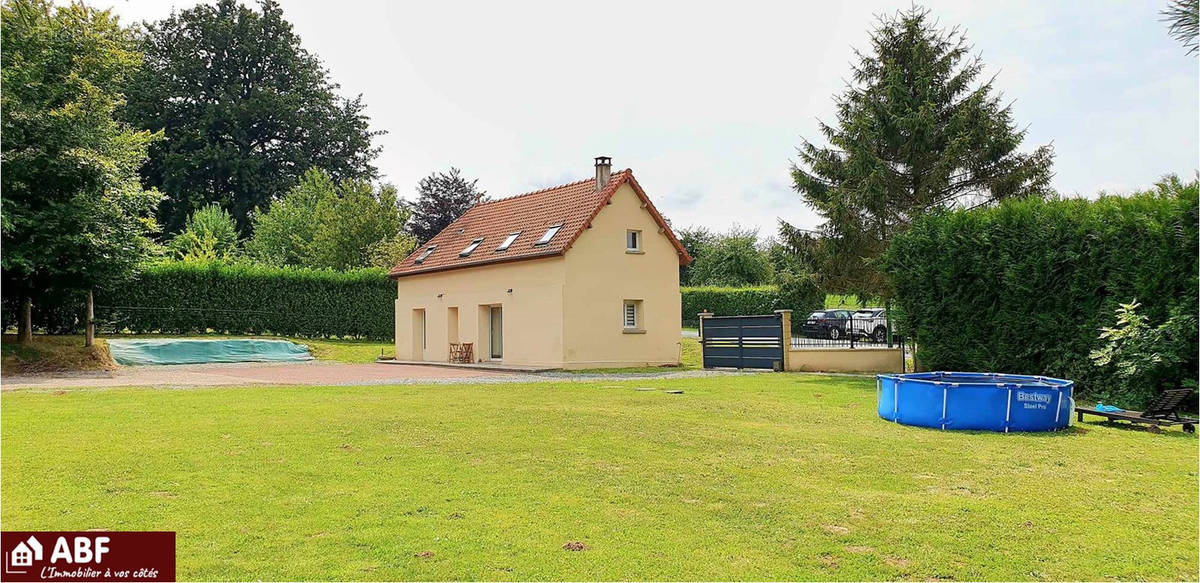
x=1026, y=286
x=797, y=293
x=184, y=297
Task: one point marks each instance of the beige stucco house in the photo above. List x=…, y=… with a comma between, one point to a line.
x=583, y=275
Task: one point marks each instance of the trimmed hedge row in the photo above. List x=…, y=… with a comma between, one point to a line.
x=187, y=297
x=797, y=293
x=728, y=301
x=1025, y=287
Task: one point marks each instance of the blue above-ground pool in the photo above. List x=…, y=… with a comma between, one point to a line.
x=975, y=400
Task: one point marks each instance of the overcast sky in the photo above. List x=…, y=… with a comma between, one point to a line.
x=708, y=105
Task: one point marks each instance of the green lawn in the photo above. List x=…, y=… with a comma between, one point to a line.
x=769, y=476
x=689, y=359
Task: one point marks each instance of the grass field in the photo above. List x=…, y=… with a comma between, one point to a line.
x=768, y=476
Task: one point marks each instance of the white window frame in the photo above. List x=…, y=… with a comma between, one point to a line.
x=634, y=236
x=550, y=233
x=508, y=241
x=632, y=309
x=466, y=252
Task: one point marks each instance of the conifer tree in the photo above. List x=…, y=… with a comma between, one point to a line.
x=917, y=130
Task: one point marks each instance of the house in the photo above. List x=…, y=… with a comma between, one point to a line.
x=583, y=275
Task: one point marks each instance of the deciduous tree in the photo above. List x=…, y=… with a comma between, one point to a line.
x=441, y=198
x=75, y=215
x=323, y=224
x=245, y=109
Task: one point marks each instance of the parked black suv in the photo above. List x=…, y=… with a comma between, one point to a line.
x=831, y=324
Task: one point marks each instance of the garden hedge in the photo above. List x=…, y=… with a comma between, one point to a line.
x=797, y=293
x=237, y=298
x=1024, y=287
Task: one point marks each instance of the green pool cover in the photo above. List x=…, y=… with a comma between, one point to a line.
x=189, y=351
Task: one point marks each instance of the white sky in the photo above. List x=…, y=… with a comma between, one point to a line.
x=707, y=104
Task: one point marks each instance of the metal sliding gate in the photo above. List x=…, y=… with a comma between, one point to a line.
x=742, y=341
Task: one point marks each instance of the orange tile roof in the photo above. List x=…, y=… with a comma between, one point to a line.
x=573, y=205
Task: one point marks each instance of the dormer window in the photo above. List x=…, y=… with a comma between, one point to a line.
x=508, y=241
x=469, y=248
x=425, y=255
x=550, y=233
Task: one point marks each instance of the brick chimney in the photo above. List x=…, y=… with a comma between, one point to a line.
x=603, y=171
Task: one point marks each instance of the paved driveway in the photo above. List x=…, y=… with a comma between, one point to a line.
x=305, y=373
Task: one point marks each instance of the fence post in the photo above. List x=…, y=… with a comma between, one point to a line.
x=851, y=329
x=700, y=333
x=785, y=333
x=89, y=337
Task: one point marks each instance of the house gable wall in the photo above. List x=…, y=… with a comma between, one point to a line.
x=600, y=276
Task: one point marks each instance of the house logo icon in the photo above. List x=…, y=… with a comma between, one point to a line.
x=24, y=554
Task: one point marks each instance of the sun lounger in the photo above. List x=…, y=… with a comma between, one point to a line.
x=1163, y=410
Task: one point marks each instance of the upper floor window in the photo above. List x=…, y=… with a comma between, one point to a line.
x=469, y=248
x=550, y=233
x=425, y=255
x=633, y=241
x=508, y=241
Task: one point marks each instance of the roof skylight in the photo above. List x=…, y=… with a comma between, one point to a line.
x=469, y=248
x=425, y=255
x=508, y=241
x=550, y=233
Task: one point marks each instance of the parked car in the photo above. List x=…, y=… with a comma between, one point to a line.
x=870, y=323
x=831, y=324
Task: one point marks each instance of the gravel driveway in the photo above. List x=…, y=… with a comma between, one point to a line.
x=307, y=373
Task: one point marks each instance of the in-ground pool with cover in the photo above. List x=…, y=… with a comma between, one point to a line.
x=197, y=351
x=974, y=400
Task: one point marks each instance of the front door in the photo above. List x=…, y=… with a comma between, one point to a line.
x=418, y=334
x=497, y=333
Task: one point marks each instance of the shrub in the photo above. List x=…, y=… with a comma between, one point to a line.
x=1026, y=286
x=1137, y=354
x=797, y=293
x=243, y=298
x=210, y=233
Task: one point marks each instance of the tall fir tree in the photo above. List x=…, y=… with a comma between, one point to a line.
x=1183, y=20
x=916, y=131
x=246, y=110
x=441, y=198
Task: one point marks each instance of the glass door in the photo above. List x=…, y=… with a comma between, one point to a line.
x=497, y=329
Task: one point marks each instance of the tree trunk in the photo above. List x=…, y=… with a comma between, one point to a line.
x=90, y=335
x=25, y=325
